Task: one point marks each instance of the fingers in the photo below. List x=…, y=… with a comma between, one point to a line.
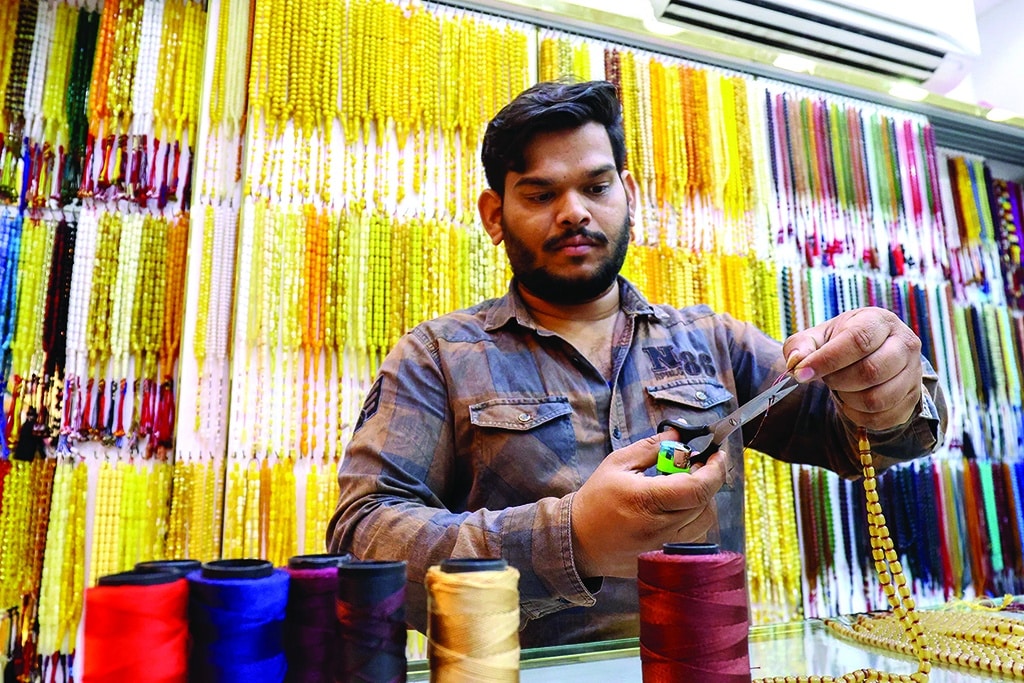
x=870, y=360
x=639, y=455
x=881, y=366
x=696, y=530
x=844, y=340
x=874, y=410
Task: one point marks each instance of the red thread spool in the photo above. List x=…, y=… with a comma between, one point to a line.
x=136, y=628
x=694, y=620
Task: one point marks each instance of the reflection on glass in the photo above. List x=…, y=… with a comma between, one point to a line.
x=797, y=649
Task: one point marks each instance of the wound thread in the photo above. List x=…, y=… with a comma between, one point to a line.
x=370, y=608
x=136, y=629
x=473, y=621
x=694, y=620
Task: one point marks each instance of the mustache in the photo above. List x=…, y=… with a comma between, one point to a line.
x=558, y=242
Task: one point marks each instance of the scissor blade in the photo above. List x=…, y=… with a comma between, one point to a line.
x=752, y=408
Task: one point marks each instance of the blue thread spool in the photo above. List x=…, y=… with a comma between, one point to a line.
x=236, y=620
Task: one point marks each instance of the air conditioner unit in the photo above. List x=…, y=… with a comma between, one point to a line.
x=933, y=43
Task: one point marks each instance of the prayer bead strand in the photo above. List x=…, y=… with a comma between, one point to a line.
x=890, y=574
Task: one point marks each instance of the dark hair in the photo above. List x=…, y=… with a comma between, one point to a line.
x=545, y=107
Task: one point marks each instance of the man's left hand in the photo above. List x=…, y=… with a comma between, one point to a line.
x=869, y=359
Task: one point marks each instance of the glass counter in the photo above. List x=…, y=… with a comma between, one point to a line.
x=797, y=649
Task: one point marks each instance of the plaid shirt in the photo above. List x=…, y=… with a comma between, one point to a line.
x=481, y=425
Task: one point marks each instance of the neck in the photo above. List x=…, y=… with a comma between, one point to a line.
x=558, y=316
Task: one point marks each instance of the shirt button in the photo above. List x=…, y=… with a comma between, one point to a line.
x=701, y=396
x=616, y=433
x=524, y=417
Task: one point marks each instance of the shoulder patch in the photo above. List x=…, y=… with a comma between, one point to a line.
x=371, y=404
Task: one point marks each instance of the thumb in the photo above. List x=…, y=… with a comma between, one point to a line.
x=798, y=347
x=639, y=455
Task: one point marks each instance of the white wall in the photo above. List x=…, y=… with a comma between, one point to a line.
x=997, y=77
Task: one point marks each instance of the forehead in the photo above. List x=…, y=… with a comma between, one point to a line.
x=587, y=146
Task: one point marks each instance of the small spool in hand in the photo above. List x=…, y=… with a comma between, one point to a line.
x=694, y=620
x=673, y=457
x=473, y=621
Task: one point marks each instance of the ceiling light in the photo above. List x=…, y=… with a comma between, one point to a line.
x=998, y=115
x=794, y=63
x=907, y=91
x=661, y=28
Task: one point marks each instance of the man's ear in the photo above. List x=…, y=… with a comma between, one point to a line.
x=632, y=195
x=490, y=205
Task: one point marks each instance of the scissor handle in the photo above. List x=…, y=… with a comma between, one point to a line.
x=698, y=439
x=687, y=432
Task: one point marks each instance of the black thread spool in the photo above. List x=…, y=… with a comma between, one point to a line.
x=371, y=612
x=179, y=566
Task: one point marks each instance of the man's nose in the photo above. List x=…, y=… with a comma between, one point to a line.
x=572, y=210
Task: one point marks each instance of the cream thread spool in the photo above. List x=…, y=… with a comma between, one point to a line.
x=473, y=621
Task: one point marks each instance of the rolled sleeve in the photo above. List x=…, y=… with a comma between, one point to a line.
x=539, y=536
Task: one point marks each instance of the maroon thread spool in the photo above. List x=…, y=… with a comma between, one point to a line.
x=694, y=620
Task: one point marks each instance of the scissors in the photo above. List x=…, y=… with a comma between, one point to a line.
x=705, y=440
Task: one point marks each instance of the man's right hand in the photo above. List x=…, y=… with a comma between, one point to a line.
x=619, y=512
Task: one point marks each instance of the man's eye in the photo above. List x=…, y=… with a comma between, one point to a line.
x=540, y=198
x=600, y=189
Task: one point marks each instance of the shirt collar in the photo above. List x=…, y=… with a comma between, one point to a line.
x=512, y=307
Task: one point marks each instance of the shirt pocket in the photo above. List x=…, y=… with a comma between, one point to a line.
x=692, y=402
x=697, y=403
x=523, y=448
x=519, y=414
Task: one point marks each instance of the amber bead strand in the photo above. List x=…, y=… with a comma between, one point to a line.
x=894, y=584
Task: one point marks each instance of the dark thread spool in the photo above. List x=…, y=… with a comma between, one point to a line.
x=311, y=634
x=236, y=619
x=370, y=608
x=136, y=628
x=182, y=566
x=694, y=621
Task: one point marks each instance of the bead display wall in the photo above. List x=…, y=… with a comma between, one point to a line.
x=99, y=119
x=332, y=207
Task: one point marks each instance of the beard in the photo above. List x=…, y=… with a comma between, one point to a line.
x=556, y=288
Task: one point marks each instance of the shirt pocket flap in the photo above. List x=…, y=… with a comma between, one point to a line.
x=519, y=414
x=695, y=395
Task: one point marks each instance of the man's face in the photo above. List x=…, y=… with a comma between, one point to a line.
x=566, y=219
